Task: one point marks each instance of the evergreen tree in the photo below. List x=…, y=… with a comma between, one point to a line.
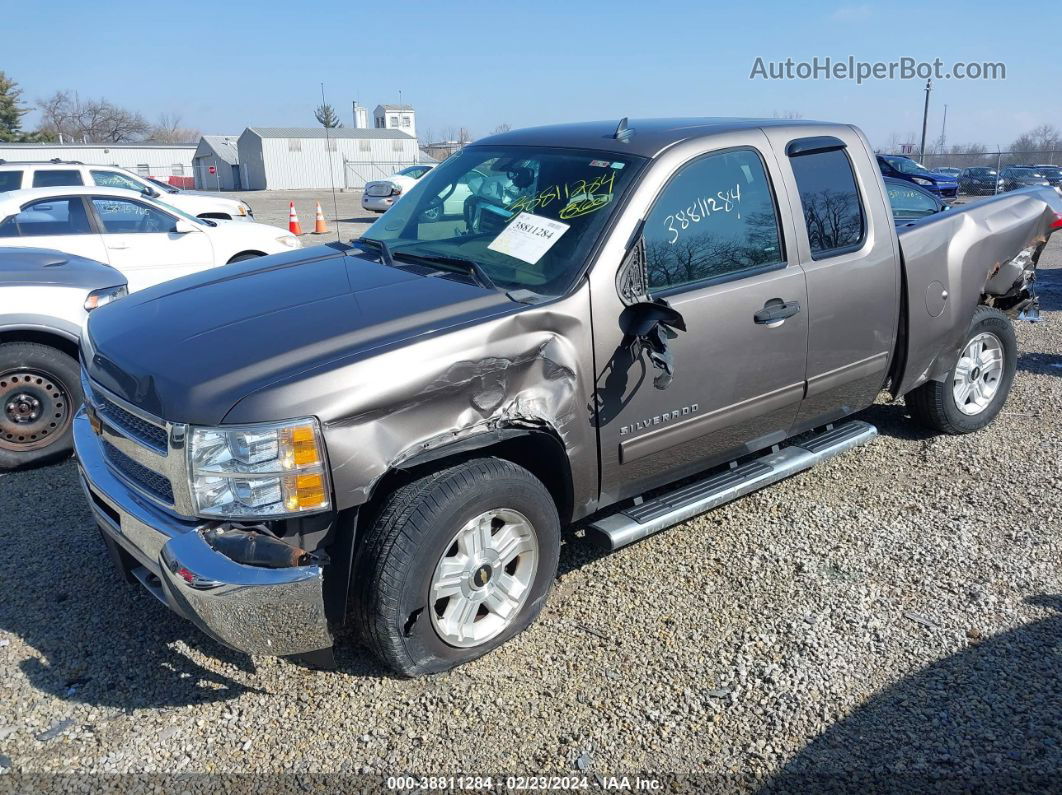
x=10, y=111
x=326, y=116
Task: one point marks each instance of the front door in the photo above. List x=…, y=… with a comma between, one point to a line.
x=716, y=252
x=142, y=244
x=61, y=223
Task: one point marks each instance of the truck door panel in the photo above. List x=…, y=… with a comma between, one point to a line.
x=715, y=250
x=853, y=279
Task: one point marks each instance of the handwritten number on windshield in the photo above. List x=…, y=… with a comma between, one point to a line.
x=581, y=197
x=701, y=209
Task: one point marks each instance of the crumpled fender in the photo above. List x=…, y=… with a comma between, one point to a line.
x=962, y=253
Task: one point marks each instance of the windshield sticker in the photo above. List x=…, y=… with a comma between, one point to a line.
x=599, y=164
x=617, y=165
x=580, y=196
x=702, y=209
x=528, y=237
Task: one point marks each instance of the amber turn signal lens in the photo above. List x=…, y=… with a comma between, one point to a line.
x=305, y=491
x=300, y=446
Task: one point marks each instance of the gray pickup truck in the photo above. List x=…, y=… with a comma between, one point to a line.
x=623, y=326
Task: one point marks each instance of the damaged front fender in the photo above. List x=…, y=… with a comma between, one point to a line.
x=429, y=396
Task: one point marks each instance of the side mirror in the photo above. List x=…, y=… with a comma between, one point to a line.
x=648, y=324
x=183, y=227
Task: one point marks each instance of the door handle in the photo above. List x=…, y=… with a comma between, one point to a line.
x=775, y=312
x=117, y=246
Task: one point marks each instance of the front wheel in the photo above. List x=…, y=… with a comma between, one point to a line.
x=40, y=390
x=455, y=564
x=974, y=392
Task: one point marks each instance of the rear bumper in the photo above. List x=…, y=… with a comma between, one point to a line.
x=248, y=608
x=377, y=204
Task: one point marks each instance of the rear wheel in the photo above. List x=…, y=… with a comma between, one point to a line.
x=456, y=564
x=40, y=390
x=974, y=392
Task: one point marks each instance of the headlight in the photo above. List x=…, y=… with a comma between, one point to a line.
x=98, y=298
x=289, y=240
x=253, y=471
x=920, y=181
x=245, y=209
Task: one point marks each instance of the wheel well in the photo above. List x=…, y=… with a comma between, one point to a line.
x=244, y=254
x=57, y=341
x=539, y=452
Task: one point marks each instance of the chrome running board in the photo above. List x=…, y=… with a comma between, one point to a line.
x=651, y=516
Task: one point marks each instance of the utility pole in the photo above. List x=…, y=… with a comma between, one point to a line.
x=925, y=118
x=943, y=128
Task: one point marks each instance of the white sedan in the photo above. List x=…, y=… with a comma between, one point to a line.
x=147, y=240
x=380, y=196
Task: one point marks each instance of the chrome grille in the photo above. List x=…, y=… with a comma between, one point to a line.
x=139, y=475
x=130, y=425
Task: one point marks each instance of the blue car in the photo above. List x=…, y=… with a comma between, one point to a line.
x=900, y=167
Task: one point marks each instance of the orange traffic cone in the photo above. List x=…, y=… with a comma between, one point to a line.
x=319, y=226
x=293, y=220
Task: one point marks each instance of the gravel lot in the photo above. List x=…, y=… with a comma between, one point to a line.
x=895, y=612
x=271, y=207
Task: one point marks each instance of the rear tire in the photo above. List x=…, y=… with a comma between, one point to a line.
x=975, y=389
x=40, y=391
x=454, y=565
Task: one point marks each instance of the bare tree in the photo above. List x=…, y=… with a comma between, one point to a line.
x=787, y=114
x=168, y=130
x=464, y=136
x=504, y=127
x=65, y=115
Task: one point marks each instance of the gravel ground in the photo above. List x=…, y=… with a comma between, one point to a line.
x=896, y=612
x=271, y=207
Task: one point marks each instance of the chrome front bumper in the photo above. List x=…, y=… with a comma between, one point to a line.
x=248, y=608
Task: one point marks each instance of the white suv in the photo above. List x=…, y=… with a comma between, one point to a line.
x=63, y=173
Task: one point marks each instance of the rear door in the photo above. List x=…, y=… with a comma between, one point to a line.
x=60, y=222
x=847, y=247
x=142, y=244
x=716, y=250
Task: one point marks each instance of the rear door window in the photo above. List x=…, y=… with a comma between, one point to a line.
x=833, y=212
x=48, y=217
x=50, y=178
x=10, y=180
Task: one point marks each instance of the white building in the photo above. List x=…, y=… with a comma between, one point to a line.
x=361, y=116
x=216, y=163
x=167, y=162
x=396, y=117
x=279, y=158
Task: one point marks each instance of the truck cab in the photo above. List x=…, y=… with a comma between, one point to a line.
x=621, y=325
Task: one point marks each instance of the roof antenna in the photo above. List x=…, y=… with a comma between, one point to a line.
x=623, y=132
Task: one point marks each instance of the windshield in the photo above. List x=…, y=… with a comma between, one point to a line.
x=183, y=214
x=982, y=172
x=906, y=166
x=1051, y=173
x=528, y=217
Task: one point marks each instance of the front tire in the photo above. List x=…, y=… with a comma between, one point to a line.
x=974, y=392
x=455, y=564
x=40, y=390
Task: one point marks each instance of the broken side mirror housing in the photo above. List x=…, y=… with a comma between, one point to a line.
x=648, y=324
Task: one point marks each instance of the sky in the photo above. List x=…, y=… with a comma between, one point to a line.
x=226, y=66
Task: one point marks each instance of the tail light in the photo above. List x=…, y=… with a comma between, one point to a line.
x=1057, y=223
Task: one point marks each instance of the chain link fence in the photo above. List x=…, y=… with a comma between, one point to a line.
x=987, y=173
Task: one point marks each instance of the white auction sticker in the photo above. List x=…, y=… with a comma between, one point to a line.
x=528, y=237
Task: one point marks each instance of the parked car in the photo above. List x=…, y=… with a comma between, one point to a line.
x=1053, y=174
x=900, y=167
x=62, y=173
x=628, y=325
x=1016, y=177
x=379, y=195
x=909, y=202
x=948, y=171
x=980, y=181
x=146, y=239
x=45, y=297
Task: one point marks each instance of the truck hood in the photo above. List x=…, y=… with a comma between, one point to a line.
x=188, y=350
